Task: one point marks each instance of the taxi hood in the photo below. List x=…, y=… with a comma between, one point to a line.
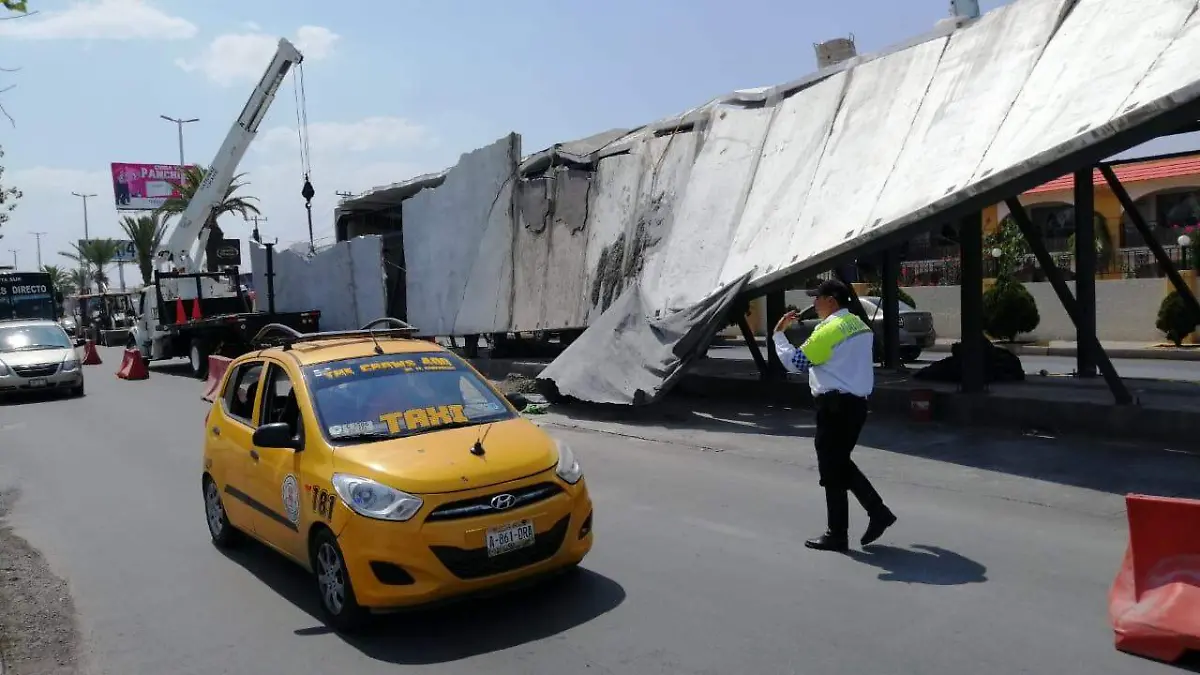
x=442, y=461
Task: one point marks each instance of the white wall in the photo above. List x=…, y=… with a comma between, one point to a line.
x=345, y=282
x=1125, y=310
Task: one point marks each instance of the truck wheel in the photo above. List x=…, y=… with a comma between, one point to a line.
x=198, y=359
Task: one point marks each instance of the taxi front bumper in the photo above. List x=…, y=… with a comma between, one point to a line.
x=428, y=561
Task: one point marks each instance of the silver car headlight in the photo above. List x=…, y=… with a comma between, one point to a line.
x=70, y=363
x=568, y=467
x=375, y=500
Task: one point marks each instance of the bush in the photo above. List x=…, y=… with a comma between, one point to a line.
x=877, y=291
x=1009, y=310
x=1176, y=319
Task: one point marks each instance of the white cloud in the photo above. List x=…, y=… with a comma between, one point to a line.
x=367, y=134
x=241, y=57
x=101, y=20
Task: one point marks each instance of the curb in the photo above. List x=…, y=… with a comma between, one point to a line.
x=1145, y=354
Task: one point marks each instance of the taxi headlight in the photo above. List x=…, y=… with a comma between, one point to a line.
x=568, y=468
x=375, y=500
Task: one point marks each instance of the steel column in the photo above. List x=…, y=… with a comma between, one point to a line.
x=1085, y=270
x=1115, y=384
x=889, y=280
x=973, y=346
x=1139, y=222
x=752, y=343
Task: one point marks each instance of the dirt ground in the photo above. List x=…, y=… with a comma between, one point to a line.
x=38, y=635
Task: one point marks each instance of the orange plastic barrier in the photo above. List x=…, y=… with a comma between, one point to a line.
x=91, y=357
x=133, y=366
x=217, y=365
x=1154, y=604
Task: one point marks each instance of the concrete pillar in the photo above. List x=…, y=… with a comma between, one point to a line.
x=972, y=346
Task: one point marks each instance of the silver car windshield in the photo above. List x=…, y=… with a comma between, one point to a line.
x=30, y=338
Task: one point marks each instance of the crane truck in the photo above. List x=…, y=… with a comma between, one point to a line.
x=187, y=311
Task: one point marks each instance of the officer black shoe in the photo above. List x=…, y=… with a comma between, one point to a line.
x=828, y=542
x=878, y=525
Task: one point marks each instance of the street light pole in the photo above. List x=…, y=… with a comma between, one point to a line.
x=38, y=236
x=86, y=236
x=179, y=125
x=256, y=220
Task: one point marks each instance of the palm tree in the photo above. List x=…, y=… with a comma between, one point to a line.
x=61, y=278
x=146, y=233
x=193, y=176
x=97, y=253
x=79, y=280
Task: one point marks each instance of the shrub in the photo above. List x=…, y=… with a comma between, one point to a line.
x=1176, y=319
x=877, y=291
x=1009, y=310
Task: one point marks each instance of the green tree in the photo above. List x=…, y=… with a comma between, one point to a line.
x=1009, y=310
x=193, y=176
x=8, y=197
x=15, y=6
x=97, y=254
x=1013, y=248
x=1176, y=319
x=61, y=278
x=146, y=233
x=79, y=280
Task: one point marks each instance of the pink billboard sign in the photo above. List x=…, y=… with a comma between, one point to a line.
x=144, y=187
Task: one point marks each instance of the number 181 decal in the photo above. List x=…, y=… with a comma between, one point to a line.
x=323, y=501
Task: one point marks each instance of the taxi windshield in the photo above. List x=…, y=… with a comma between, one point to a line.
x=399, y=395
x=31, y=338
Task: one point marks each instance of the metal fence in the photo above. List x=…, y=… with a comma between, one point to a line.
x=1129, y=263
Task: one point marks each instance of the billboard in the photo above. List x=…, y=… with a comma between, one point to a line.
x=228, y=252
x=144, y=187
x=126, y=253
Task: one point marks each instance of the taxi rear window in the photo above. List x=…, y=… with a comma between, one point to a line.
x=393, y=396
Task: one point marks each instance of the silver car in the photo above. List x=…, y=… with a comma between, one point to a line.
x=916, y=328
x=38, y=355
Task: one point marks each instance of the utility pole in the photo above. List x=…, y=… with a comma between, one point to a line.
x=86, y=237
x=256, y=220
x=14, y=252
x=38, y=236
x=179, y=125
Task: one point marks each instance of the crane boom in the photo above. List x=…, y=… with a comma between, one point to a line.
x=211, y=192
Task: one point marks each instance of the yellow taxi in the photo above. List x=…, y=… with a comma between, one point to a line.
x=390, y=469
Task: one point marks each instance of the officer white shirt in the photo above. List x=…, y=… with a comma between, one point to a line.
x=838, y=356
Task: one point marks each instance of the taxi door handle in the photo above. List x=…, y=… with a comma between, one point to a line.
x=254, y=455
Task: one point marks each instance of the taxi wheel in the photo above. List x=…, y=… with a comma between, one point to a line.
x=338, y=604
x=219, y=528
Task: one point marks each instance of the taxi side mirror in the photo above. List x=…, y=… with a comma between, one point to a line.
x=276, y=435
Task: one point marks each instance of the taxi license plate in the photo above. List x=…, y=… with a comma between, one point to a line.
x=37, y=382
x=509, y=538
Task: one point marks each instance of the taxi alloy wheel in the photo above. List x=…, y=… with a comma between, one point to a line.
x=222, y=532
x=333, y=583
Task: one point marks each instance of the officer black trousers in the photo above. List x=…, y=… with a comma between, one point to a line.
x=840, y=419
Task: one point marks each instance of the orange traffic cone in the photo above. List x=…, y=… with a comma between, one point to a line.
x=180, y=314
x=196, y=315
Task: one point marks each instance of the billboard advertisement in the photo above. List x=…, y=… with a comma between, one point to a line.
x=126, y=253
x=144, y=187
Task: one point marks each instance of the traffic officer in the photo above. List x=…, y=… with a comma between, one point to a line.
x=839, y=360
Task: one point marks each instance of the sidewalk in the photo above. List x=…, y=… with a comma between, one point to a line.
x=1115, y=350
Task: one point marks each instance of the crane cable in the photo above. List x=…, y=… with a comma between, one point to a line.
x=307, y=192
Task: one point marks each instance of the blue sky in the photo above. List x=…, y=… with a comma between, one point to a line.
x=394, y=87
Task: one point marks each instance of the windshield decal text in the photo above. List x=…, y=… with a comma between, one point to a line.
x=420, y=418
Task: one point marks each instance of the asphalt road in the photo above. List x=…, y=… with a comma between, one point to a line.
x=1000, y=563
x=1151, y=369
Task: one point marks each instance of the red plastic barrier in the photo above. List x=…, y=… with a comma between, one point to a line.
x=91, y=357
x=133, y=366
x=217, y=365
x=1154, y=604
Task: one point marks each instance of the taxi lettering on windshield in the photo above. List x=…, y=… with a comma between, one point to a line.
x=424, y=364
x=419, y=418
x=333, y=373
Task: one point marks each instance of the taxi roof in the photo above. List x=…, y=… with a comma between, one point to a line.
x=311, y=352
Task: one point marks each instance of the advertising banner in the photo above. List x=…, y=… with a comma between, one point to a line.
x=126, y=253
x=144, y=187
x=228, y=252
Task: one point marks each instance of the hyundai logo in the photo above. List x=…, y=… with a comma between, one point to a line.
x=502, y=502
